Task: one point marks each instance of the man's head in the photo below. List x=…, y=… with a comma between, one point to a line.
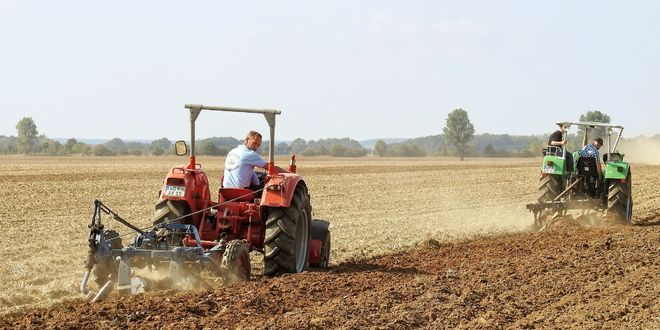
x=598, y=142
x=562, y=127
x=253, y=140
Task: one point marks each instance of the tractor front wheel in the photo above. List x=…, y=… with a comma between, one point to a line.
x=287, y=235
x=235, y=264
x=619, y=200
x=167, y=210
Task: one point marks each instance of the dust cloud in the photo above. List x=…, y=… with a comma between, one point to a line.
x=641, y=150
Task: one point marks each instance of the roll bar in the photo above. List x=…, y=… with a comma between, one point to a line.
x=196, y=109
x=592, y=124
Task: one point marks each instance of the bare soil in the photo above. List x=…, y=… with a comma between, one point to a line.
x=562, y=278
x=426, y=243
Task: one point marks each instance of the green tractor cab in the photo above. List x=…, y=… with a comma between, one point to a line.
x=580, y=186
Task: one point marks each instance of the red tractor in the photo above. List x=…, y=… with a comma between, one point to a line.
x=191, y=229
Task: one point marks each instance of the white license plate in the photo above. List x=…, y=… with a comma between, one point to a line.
x=175, y=191
x=549, y=170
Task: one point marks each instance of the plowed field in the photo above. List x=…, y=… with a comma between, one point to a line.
x=416, y=243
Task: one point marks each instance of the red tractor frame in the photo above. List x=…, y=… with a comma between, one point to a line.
x=275, y=220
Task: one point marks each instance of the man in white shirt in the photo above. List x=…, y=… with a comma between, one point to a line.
x=241, y=161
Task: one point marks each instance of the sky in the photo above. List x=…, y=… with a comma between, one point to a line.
x=358, y=69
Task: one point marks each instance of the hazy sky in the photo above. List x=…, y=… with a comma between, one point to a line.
x=360, y=69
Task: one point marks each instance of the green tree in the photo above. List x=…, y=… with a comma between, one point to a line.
x=489, y=151
x=338, y=150
x=405, y=150
x=70, y=144
x=117, y=146
x=223, y=151
x=83, y=149
x=380, y=148
x=102, y=150
x=7, y=145
x=593, y=116
x=52, y=148
x=535, y=147
x=158, y=151
x=163, y=143
x=135, y=152
x=27, y=135
x=298, y=145
x=282, y=149
x=210, y=149
x=458, y=130
x=80, y=148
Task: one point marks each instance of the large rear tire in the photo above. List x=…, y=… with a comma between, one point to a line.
x=549, y=188
x=288, y=235
x=235, y=265
x=619, y=200
x=107, y=270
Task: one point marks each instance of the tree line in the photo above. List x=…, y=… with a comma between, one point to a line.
x=29, y=142
x=458, y=139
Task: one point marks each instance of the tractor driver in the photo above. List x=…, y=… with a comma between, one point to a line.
x=241, y=161
x=591, y=150
x=557, y=140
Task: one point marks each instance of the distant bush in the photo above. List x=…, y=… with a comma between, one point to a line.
x=404, y=150
x=158, y=151
x=102, y=150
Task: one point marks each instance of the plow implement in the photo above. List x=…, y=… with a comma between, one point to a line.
x=546, y=212
x=153, y=249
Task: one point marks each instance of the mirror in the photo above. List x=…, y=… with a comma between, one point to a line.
x=180, y=148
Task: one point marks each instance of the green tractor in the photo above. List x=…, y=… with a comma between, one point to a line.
x=565, y=186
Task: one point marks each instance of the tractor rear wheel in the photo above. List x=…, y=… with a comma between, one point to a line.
x=235, y=264
x=619, y=200
x=107, y=270
x=287, y=235
x=549, y=189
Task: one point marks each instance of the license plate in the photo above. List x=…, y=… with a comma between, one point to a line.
x=549, y=170
x=175, y=191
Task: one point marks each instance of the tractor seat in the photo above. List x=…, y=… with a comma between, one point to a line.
x=586, y=166
x=243, y=195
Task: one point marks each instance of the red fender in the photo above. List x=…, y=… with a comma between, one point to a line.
x=279, y=189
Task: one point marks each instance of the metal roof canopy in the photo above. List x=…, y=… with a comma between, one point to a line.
x=593, y=124
x=270, y=114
